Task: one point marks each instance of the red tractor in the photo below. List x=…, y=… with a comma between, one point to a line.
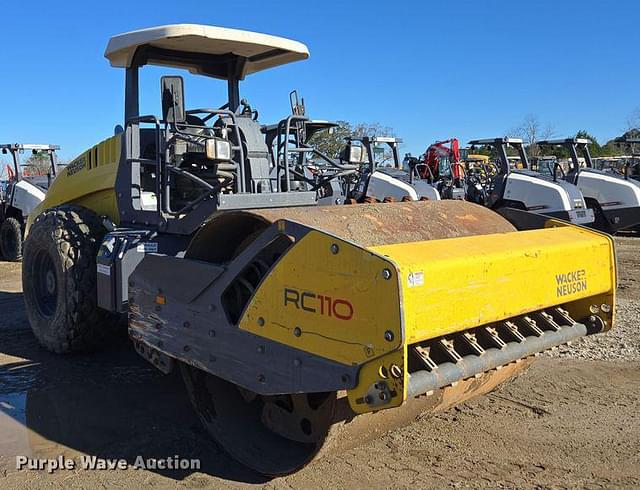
x=442, y=163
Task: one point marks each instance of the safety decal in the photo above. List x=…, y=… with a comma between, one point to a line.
x=148, y=247
x=104, y=269
x=415, y=279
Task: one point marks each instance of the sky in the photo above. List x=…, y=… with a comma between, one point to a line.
x=429, y=70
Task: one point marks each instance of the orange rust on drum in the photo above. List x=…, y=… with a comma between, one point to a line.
x=406, y=199
x=370, y=200
x=370, y=225
x=389, y=199
x=424, y=198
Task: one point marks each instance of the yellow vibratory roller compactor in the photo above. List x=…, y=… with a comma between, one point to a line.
x=298, y=327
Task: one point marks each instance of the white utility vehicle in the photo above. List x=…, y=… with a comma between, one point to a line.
x=20, y=194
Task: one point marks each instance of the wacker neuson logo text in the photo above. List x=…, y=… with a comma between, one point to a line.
x=571, y=282
x=94, y=463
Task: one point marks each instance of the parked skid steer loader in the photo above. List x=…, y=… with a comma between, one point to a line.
x=298, y=327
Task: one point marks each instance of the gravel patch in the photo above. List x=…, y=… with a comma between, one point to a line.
x=622, y=343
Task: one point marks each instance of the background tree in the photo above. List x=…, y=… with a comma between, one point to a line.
x=531, y=131
x=38, y=164
x=371, y=130
x=331, y=143
x=594, y=148
x=3, y=169
x=633, y=121
x=383, y=154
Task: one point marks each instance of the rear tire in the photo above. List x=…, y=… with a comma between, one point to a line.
x=59, y=281
x=11, y=240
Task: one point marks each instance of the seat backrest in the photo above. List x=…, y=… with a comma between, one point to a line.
x=258, y=164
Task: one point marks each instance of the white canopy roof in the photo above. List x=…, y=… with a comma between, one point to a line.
x=262, y=51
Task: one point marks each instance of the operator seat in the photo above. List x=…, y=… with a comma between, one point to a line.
x=256, y=152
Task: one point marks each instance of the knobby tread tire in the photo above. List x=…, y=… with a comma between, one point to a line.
x=70, y=236
x=11, y=240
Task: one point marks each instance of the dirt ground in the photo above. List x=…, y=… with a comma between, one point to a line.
x=570, y=421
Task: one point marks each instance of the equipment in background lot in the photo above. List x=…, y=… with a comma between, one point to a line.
x=545, y=165
x=521, y=188
x=615, y=200
x=632, y=166
x=384, y=180
x=474, y=158
x=296, y=326
x=312, y=169
x=20, y=195
x=443, y=163
x=480, y=173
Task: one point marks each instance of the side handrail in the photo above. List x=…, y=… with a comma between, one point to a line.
x=150, y=119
